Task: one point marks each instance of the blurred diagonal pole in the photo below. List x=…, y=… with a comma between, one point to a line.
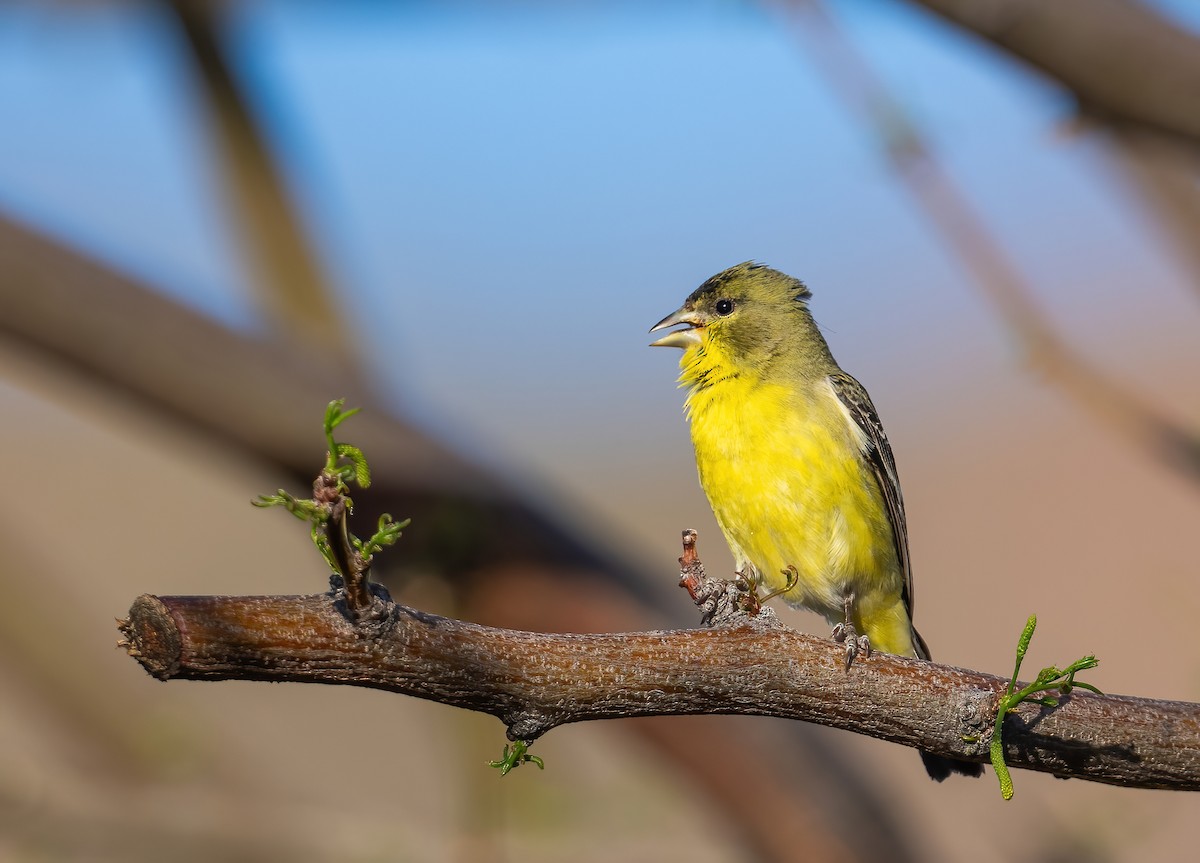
x=1167, y=177
x=1126, y=64
x=1134, y=75
x=293, y=289
x=966, y=236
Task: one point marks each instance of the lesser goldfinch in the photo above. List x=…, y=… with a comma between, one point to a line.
x=793, y=458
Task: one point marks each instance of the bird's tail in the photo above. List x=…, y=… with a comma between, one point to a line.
x=939, y=766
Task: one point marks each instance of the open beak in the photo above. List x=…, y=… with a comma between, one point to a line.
x=684, y=338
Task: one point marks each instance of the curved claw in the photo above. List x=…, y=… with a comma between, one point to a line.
x=845, y=633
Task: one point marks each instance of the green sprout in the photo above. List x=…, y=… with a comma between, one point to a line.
x=1049, y=679
x=343, y=460
x=344, y=464
x=386, y=534
x=514, y=756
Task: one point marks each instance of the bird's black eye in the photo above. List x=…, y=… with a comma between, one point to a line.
x=724, y=307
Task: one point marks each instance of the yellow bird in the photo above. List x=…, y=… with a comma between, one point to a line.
x=793, y=458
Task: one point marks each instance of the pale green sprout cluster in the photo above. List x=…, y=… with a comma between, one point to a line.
x=514, y=756
x=344, y=463
x=1049, y=679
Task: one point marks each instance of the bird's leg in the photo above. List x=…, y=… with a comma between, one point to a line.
x=845, y=632
x=746, y=579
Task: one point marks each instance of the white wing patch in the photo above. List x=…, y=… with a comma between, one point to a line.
x=856, y=432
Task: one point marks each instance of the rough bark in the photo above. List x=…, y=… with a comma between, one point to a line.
x=534, y=682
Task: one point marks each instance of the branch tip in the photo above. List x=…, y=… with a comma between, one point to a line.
x=721, y=602
x=152, y=637
x=689, y=547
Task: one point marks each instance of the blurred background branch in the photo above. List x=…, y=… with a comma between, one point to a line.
x=292, y=286
x=1126, y=65
x=1135, y=78
x=955, y=218
x=1167, y=178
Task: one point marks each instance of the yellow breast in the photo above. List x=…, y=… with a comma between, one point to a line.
x=782, y=468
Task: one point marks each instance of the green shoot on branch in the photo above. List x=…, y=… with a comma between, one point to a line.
x=303, y=508
x=344, y=464
x=1049, y=679
x=385, y=535
x=514, y=756
x=343, y=460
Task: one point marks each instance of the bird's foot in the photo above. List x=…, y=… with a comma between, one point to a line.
x=845, y=633
x=747, y=592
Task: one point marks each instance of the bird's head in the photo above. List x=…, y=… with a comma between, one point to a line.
x=746, y=315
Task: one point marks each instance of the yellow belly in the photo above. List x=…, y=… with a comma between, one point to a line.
x=789, y=488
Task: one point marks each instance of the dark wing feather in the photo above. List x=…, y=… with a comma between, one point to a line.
x=878, y=454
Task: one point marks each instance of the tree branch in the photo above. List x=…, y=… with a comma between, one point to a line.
x=289, y=280
x=951, y=212
x=534, y=682
x=1126, y=64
